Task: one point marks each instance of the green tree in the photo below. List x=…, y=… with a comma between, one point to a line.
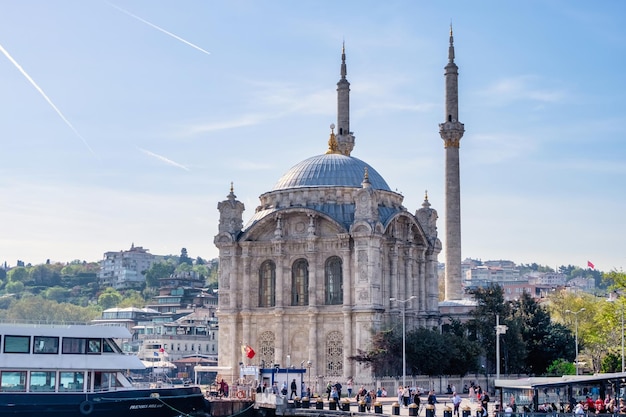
x=157, y=271
x=463, y=354
x=132, y=298
x=427, y=353
x=19, y=273
x=184, y=258
x=38, y=309
x=57, y=294
x=561, y=367
x=109, y=298
x=490, y=302
x=544, y=341
x=14, y=287
x=612, y=362
x=44, y=275
x=382, y=356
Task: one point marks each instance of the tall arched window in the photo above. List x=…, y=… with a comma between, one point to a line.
x=333, y=281
x=300, y=283
x=267, y=284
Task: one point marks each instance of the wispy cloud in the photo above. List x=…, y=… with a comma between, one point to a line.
x=45, y=96
x=164, y=159
x=159, y=28
x=496, y=148
x=270, y=101
x=522, y=88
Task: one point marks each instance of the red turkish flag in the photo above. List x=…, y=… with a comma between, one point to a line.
x=250, y=352
x=590, y=265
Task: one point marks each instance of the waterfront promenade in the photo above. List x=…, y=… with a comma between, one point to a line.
x=388, y=402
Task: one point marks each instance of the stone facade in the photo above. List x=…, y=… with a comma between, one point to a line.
x=313, y=273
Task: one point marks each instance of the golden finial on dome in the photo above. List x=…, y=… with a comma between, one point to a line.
x=426, y=195
x=332, y=141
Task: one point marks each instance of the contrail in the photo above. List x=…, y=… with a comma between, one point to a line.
x=158, y=28
x=34, y=84
x=164, y=159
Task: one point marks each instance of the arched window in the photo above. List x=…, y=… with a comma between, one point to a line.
x=333, y=281
x=267, y=284
x=300, y=283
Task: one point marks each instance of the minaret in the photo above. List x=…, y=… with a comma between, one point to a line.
x=451, y=132
x=345, y=138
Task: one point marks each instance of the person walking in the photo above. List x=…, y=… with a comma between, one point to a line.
x=406, y=395
x=432, y=399
x=484, y=402
x=456, y=402
x=294, y=389
x=349, y=387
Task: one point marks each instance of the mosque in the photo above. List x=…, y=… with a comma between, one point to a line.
x=331, y=255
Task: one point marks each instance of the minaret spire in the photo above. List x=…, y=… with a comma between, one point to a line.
x=345, y=139
x=451, y=132
x=451, y=47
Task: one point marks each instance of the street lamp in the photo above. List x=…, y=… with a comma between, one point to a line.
x=500, y=329
x=403, y=334
x=308, y=365
x=575, y=313
x=616, y=300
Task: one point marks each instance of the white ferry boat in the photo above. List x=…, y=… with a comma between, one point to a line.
x=79, y=370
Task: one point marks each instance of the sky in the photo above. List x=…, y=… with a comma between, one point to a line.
x=125, y=122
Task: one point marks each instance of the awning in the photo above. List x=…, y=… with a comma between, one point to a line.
x=159, y=364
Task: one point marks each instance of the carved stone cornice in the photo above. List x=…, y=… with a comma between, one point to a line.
x=451, y=132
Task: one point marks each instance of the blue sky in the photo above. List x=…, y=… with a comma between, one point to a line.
x=126, y=122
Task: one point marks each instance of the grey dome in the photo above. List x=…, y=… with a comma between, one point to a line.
x=330, y=170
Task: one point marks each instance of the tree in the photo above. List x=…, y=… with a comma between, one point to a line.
x=44, y=275
x=490, y=302
x=544, y=341
x=427, y=353
x=19, y=273
x=57, y=294
x=382, y=356
x=157, y=271
x=184, y=258
x=109, y=298
x=14, y=287
x=38, y=309
x=561, y=367
x=463, y=354
x=132, y=298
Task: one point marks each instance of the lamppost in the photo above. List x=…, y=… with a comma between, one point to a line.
x=403, y=334
x=288, y=365
x=616, y=300
x=308, y=365
x=500, y=329
x=575, y=313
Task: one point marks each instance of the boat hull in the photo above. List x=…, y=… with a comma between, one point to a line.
x=161, y=402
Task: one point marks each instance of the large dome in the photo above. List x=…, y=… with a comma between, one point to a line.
x=330, y=170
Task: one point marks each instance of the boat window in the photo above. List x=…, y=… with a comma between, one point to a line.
x=42, y=381
x=71, y=381
x=14, y=381
x=109, y=346
x=16, y=344
x=46, y=344
x=74, y=345
x=94, y=345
